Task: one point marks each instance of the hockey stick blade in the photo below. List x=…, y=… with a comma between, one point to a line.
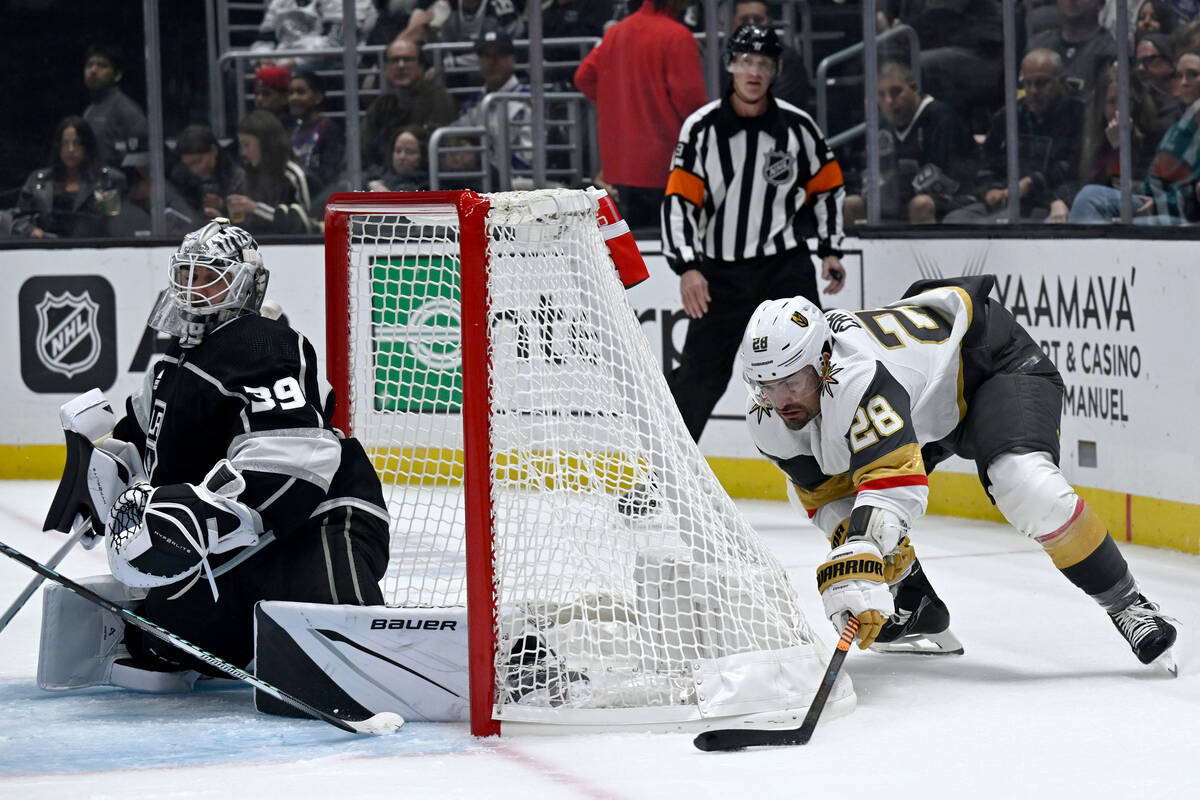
x=737, y=738
x=384, y=722
x=32, y=586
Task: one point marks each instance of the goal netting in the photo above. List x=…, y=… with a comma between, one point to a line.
x=537, y=471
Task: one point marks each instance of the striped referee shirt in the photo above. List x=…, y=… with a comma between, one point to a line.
x=738, y=185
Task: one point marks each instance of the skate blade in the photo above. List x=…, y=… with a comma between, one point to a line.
x=1167, y=662
x=922, y=644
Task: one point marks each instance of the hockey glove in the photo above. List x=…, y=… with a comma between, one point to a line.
x=851, y=582
x=98, y=468
x=157, y=536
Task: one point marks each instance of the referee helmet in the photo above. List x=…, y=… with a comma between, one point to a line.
x=756, y=39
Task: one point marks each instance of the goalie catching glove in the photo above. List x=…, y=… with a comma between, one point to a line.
x=157, y=536
x=852, y=582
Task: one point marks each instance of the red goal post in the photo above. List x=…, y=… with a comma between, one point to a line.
x=536, y=470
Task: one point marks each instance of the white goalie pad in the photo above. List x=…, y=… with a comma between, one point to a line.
x=79, y=639
x=364, y=659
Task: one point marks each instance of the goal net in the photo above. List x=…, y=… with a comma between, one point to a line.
x=537, y=471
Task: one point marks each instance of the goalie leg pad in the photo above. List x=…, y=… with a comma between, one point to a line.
x=80, y=641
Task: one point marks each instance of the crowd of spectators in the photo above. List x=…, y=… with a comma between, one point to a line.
x=943, y=131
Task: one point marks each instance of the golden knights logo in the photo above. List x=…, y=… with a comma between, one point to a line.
x=68, y=333
x=779, y=167
x=799, y=319
x=68, y=339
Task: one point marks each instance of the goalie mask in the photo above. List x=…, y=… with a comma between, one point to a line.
x=783, y=357
x=216, y=275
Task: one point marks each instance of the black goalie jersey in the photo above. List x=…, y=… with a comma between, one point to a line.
x=251, y=392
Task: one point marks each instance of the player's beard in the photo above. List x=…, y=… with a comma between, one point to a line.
x=797, y=423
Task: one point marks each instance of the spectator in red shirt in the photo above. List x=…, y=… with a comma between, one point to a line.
x=645, y=78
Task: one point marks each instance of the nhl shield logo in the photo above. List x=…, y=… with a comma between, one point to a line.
x=68, y=337
x=779, y=167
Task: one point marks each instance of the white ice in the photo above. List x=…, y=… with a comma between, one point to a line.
x=1047, y=701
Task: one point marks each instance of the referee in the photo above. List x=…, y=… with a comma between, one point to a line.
x=745, y=170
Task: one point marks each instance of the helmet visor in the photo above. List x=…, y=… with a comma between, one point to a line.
x=804, y=384
x=752, y=62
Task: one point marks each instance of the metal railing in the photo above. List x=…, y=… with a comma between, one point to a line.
x=451, y=61
x=853, y=53
x=492, y=142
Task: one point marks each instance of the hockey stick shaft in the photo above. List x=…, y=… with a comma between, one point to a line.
x=372, y=725
x=28, y=591
x=736, y=738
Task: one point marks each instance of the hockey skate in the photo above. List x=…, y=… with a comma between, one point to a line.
x=1150, y=633
x=537, y=676
x=638, y=501
x=921, y=624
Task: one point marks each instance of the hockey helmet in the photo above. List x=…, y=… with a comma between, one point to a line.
x=216, y=275
x=755, y=39
x=784, y=338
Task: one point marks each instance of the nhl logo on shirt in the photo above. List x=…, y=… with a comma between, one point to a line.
x=779, y=167
x=68, y=333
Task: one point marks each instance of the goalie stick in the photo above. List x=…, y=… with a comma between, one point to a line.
x=32, y=586
x=383, y=722
x=737, y=738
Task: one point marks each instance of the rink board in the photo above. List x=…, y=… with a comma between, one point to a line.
x=1112, y=313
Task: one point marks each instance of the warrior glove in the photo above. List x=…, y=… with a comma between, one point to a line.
x=852, y=581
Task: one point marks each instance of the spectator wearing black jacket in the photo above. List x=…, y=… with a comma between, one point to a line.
x=930, y=154
x=76, y=194
x=1049, y=119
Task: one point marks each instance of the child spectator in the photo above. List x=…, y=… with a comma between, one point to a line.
x=271, y=85
x=318, y=143
x=276, y=198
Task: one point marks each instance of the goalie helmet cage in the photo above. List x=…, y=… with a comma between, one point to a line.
x=536, y=469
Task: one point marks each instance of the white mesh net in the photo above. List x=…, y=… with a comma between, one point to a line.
x=623, y=571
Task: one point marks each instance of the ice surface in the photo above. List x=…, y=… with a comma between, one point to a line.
x=1047, y=701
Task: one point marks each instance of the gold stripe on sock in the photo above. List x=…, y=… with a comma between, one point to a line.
x=1076, y=540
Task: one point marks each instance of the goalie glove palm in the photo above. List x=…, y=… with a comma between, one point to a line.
x=157, y=536
x=852, y=581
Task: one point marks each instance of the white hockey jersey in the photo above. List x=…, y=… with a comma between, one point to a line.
x=894, y=383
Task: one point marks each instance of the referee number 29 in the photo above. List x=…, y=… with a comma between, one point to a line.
x=874, y=420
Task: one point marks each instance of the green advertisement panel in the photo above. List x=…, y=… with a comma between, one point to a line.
x=415, y=333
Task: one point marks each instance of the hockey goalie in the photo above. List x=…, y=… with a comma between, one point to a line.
x=224, y=484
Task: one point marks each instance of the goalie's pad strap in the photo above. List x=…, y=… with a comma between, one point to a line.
x=858, y=567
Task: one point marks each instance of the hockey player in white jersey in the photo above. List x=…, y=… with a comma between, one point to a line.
x=858, y=407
